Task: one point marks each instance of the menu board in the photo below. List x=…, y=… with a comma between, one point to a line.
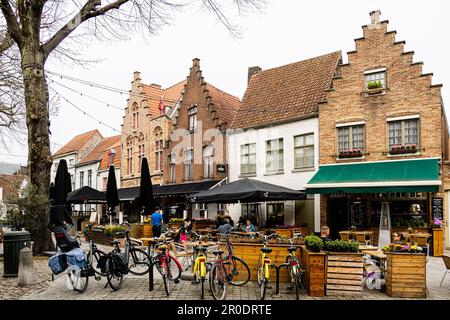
x=437, y=208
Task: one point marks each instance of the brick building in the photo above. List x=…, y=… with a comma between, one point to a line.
x=196, y=154
x=383, y=138
x=145, y=129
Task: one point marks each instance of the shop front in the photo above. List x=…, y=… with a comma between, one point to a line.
x=354, y=194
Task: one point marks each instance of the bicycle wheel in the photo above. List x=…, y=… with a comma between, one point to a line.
x=115, y=279
x=239, y=271
x=78, y=282
x=138, y=263
x=96, y=257
x=175, y=268
x=260, y=272
x=218, y=282
x=263, y=288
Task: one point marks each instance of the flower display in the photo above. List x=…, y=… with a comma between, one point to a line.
x=402, y=248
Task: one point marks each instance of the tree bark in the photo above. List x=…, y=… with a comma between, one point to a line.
x=37, y=115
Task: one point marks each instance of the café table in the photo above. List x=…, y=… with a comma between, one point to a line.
x=420, y=239
x=151, y=243
x=380, y=256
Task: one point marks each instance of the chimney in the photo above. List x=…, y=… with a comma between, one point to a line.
x=136, y=75
x=252, y=71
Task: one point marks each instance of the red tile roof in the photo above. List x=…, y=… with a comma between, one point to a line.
x=154, y=92
x=287, y=92
x=104, y=164
x=226, y=104
x=97, y=152
x=77, y=142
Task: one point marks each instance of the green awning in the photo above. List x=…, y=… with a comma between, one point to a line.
x=417, y=175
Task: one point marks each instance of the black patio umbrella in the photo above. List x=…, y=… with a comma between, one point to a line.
x=86, y=194
x=146, y=199
x=60, y=209
x=112, y=196
x=246, y=191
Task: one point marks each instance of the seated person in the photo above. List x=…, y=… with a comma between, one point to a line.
x=249, y=227
x=398, y=238
x=185, y=228
x=325, y=233
x=239, y=225
x=225, y=227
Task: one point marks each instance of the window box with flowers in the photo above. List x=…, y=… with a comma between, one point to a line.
x=406, y=271
x=374, y=87
x=350, y=153
x=402, y=149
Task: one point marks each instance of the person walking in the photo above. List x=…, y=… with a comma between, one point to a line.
x=157, y=221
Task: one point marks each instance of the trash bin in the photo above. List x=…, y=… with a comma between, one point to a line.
x=13, y=242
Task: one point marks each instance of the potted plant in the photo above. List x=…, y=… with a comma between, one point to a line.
x=146, y=228
x=406, y=271
x=438, y=238
x=313, y=260
x=345, y=268
x=374, y=87
x=350, y=153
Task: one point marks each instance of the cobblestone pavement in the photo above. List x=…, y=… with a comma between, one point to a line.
x=136, y=288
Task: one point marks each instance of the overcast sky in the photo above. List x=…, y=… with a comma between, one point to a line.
x=287, y=31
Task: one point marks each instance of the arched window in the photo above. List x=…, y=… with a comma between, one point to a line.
x=159, y=146
x=208, y=162
x=135, y=110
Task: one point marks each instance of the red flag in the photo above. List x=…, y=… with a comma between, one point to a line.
x=161, y=107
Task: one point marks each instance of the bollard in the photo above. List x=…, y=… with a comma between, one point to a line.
x=150, y=276
x=25, y=267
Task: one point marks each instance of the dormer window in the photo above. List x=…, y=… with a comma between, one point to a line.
x=375, y=81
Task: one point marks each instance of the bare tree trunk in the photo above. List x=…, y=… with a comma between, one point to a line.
x=37, y=113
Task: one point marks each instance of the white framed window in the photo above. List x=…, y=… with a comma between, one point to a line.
x=274, y=155
x=129, y=161
x=203, y=210
x=89, y=178
x=105, y=183
x=172, y=162
x=404, y=133
x=192, y=112
x=248, y=158
x=188, y=166
x=81, y=178
x=375, y=79
x=351, y=138
x=304, y=151
x=208, y=162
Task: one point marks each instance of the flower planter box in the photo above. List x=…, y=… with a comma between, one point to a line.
x=375, y=91
x=345, y=272
x=403, y=150
x=406, y=275
x=314, y=276
x=146, y=231
x=438, y=242
x=99, y=237
x=353, y=154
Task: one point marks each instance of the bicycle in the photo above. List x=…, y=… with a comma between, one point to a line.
x=236, y=267
x=294, y=267
x=79, y=277
x=219, y=276
x=264, y=264
x=200, y=268
x=162, y=262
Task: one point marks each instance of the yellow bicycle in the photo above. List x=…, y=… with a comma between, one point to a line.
x=200, y=268
x=264, y=264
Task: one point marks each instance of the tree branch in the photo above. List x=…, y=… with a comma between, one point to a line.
x=13, y=27
x=89, y=10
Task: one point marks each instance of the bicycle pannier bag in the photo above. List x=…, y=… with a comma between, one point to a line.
x=119, y=262
x=58, y=263
x=75, y=257
x=64, y=241
x=102, y=263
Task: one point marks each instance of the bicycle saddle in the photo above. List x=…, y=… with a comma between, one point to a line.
x=200, y=248
x=291, y=249
x=266, y=250
x=163, y=247
x=116, y=242
x=218, y=252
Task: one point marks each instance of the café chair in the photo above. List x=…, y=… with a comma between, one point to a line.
x=447, y=266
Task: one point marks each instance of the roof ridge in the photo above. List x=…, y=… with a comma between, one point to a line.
x=300, y=61
x=229, y=94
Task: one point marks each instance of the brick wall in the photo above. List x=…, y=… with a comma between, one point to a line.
x=409, y=92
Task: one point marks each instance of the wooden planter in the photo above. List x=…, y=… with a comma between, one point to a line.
x=146, y=231
x=438, y=242
x=314, y=277
x=345, y=272
x=249, y=252
x=406, y=275
x=284, y=232
x=99, y=237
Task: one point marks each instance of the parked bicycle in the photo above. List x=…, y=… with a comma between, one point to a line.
x=237, y=269
x=264, y=264
x=78, y=277
x=200, y=268
x=294, y=267
x=219, y=276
